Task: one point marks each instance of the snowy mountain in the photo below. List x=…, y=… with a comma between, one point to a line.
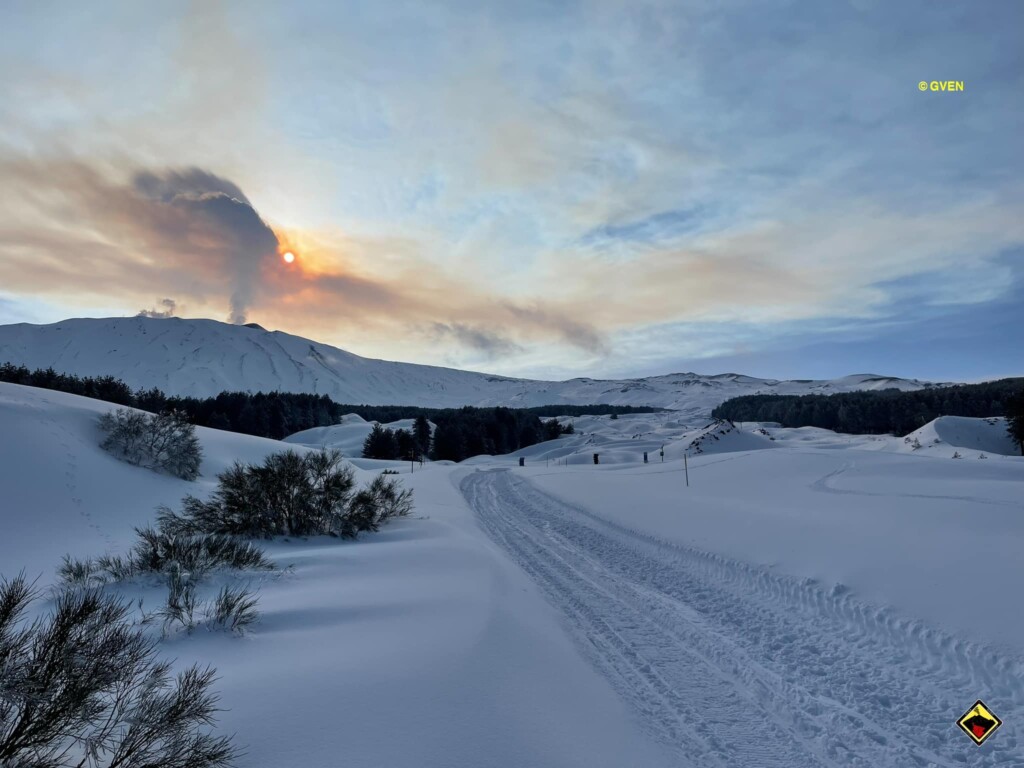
x=205, y=357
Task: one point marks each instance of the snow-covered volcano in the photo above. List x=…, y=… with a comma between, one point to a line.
x=205, y=357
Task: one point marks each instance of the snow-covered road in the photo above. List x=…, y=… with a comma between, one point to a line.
x=730, y=664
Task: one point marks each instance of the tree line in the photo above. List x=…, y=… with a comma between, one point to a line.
x=461, y=432
x=888, y=411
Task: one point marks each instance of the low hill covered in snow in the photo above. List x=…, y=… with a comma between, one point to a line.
x=973, y=437
x=204, y=357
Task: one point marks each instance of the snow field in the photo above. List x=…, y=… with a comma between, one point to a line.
x=415, y=647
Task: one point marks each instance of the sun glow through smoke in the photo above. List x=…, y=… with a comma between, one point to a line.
x=288, y=257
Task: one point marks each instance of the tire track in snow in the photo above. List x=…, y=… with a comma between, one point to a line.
x=732, y=665
x=824, y=485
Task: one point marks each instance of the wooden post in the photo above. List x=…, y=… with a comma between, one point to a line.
x=645, y=457
x=686, y=467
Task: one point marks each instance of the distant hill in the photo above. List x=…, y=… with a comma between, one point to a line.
x=204, y=357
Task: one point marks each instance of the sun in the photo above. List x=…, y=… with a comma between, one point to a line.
x=288, y=257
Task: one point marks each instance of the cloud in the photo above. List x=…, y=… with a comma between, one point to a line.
x=169, y=308
x=490, y=343
x=578, y=333
x=187, y=230
x=656, y=227
x=170, y=184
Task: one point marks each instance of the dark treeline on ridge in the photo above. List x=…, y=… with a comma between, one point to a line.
x=888, y=411
x=461, y=432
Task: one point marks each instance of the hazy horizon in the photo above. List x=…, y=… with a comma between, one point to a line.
x=700, y=370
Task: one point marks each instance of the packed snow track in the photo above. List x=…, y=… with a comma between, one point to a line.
x=728, y=664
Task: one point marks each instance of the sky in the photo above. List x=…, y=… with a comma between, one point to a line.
x=543, y=189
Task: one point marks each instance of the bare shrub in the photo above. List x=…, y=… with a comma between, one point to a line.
x=164, y=441
x=234, y=608
x=84, y=686
x=182, y=602
x=287, y=495
x=157, y=551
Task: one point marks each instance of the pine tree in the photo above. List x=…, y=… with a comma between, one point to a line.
x=1015, y=419
x=380, y=444
x=405, y=445
x=552, y=429
x=448, y=444
x=421, y=431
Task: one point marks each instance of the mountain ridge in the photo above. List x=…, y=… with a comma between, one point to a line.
x=203, y=357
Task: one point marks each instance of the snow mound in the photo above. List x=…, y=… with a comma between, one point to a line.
x=971, y=438
x=724, y=437
x=347, y=437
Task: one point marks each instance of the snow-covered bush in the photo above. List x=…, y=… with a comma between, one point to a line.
x=234, y=608
x=84, y=686
x=376, y=504
x=163, y=441
x=159, y=551
x=182, y=601
x=289, y=495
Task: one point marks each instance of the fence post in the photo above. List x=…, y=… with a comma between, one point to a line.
x=522, y=461
x=645, y=457
x=596, y=458
x=686, y=467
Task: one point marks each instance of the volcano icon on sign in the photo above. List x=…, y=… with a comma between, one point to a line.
x=979, y=722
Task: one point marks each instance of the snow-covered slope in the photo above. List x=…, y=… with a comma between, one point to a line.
x=970, y=438
x=415, y=647
x=205, y=357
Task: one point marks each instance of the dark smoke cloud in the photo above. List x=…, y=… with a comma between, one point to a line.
x=580, y=335
x=231, y=225
x=173, y=183
x=490, y=343
x=169, y=307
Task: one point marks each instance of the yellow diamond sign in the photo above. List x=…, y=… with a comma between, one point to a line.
x=979, y=722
